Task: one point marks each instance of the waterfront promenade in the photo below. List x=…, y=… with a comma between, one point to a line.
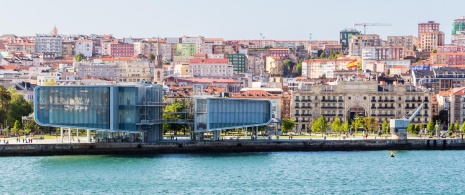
x=55, y=147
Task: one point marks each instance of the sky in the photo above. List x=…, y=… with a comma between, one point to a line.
x=229, y=19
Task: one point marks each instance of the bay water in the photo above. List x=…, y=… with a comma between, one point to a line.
x=355, y=172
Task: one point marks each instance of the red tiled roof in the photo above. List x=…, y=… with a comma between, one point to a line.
x=5, y=67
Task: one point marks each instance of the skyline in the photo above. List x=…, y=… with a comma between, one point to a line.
x=229, y=20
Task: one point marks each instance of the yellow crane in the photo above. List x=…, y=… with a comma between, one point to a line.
x=370, y=24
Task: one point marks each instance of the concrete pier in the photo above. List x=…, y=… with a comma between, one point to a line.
x=226, y=147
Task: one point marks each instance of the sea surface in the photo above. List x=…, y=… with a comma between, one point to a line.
x=356, y=172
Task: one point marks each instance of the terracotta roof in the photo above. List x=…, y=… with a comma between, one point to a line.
x=209, y=61
x=5, y=67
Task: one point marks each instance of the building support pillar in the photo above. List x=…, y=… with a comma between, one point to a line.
x=216, y=135
x=88, y=135
x=61, y=134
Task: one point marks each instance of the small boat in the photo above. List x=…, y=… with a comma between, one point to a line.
x=392, y=154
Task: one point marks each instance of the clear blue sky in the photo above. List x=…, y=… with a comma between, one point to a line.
x=230, y=19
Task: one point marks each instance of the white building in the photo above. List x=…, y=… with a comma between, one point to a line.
x=84, y=47
x=48, y=44
x=210, y=68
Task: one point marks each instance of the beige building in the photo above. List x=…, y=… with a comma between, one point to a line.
x=402, y=41
x=274, y=66
x=318, y=68
x=349, y=99
x=429, y=41
x=358, y=42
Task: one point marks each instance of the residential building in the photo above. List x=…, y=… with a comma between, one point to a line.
x=122, y=50
x=382, y=102
x=274, y=66
x=426, y=27
x=197, y=41
x=279, y=52
x=318, y=68
x=451, y=55
x=358, y=42
x=68, y=48
x=345, y=36
x=239, y=62
x=429, y=36
x=186, y=49
x=84, y=47
x=429, y=41
x=407, y=42
x=49, y=44
x=97, y=69
x=219, y=68
x=439, y=79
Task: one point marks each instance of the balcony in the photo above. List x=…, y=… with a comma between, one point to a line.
x=296, y=114
x=306, y=114
x=372, y=100
x=296, y=106
x=329, y=107
x=307, y=100
x=306, y=107
x=328, y=100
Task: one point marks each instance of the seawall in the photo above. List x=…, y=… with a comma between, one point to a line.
x=227, y=147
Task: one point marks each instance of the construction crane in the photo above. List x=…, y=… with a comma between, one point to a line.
x=370, y=24
x=399, y=126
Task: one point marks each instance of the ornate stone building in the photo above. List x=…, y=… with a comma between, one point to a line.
x=349, y=99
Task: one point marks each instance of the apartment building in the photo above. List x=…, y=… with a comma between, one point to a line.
x=407, y=42
x=46, y=43
x=349, y=99
x=358, y=42
x=122, y=50
x=217, y=68
x=450, y=55
x=318, y=68
x=84, y=47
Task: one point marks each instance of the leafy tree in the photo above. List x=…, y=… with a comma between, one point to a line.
x=385, y=127
x=287, y=125
x=357, y=122
x=370, y=123
x=346, y=126
x=411, y=128
x=176, y=111
x=430, y=127
x=152, y=57
x=320, y=125
x=79, y=57
x=417, y=129
x=434, y=51
x=17, y=125
x=456, y=125
x=322, y=55
x=462, y=128
x=359, y=65
x=298, y=68
x=336, y=126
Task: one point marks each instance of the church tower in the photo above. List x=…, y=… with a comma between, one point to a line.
x=54, y=31
x=158, y=70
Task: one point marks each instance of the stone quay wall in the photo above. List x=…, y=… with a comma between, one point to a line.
x=167, y=147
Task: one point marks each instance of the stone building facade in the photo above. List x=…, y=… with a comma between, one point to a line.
x=349, y=99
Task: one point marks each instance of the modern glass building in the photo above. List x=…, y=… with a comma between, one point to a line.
x=213, y=114
x=133, y=110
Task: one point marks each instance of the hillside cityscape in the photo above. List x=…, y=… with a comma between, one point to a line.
x=356, y=74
